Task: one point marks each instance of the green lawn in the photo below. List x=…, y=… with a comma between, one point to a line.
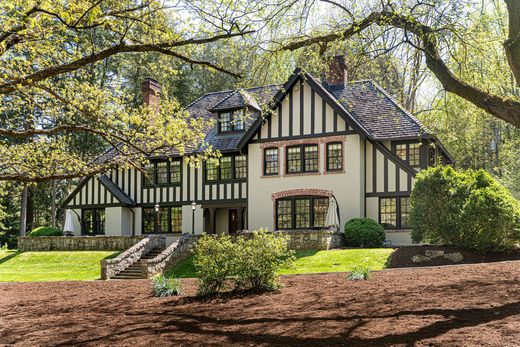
x=51, y=266
x=314, y=261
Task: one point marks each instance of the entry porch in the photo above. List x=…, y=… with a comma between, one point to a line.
x=225, y=218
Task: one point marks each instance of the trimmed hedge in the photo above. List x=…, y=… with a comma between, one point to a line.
x=466, y=208
x=46, y=231
x=364, y=232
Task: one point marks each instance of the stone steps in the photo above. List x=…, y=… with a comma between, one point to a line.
x=134, y=271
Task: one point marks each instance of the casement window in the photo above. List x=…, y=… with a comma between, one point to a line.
x=226, y=168
x=301, y=212
x=409, y=152
x=167, y=221
x=93, y=221
x=302, y=158
x=334, y=156
x=230, y=121
x=162, y=173
x=271, y=161
x=394, y=212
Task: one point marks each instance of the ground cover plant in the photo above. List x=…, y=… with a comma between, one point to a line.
x=51, y=266
x=466, y=208
x=249, y=263
x=163, y=286
x=313, y=261
x=46, y=231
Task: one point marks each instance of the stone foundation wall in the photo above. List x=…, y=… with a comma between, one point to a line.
x=311, y=239
x=175, y=253
x=77, y=243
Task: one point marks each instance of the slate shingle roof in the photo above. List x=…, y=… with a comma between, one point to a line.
x=117, y=192
x=379, y=114
x=237, y=99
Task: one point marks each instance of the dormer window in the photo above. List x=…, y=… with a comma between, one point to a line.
x=230, y=121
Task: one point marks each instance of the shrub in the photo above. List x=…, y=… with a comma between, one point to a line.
x=466, y=209
x=214, y=261
x=46, y=231
x=259, y=259
x=364, y=232
x=248, y=263
x=164, y=286
x=360, y=272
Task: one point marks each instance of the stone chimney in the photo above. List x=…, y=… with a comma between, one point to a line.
x=151, y=92
x=336, y=74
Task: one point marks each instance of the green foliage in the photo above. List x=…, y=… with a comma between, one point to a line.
x=364, y=232
x=164, y=286
x=465, y=209
x=46, y=231
x=360, y=272
x=250, y=263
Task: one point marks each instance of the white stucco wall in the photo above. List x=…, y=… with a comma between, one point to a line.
x=347, y=187
x=187, y=219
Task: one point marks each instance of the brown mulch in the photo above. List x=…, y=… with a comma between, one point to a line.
x=402, y=257
x=442, y=306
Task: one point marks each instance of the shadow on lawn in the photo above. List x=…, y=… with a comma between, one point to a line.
x=10, y=256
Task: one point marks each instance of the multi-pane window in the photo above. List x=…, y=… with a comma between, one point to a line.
x=93, y=221
x=401, y=151
x=226, y=168
x=415, y=154
x=240, y=166
x=294, y=160
x=405, y=212
x=212, y=169
x=301, y=212
x=167, y=220
x=334, y=156
x=388, y=212
x=284, y=214
x=271, y=161
x=320, y=206
x=394, y=212
x=175, y=171
x=303, y=158
x=225, y=122
x=238, y=121
x=310, y=158
x=162, y=172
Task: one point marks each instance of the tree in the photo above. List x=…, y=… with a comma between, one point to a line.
x=50, y=49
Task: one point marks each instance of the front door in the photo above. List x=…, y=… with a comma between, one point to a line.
x=233, y=221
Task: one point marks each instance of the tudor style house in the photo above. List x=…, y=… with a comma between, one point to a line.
x=320, y=139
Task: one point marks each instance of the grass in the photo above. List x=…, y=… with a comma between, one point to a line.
x=51, y=266
x=312, y=261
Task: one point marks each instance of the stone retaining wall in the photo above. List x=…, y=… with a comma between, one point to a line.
x=311, y=239
x=77, y=243
x=175, y=253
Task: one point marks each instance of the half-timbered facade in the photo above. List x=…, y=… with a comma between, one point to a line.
x=286, y=150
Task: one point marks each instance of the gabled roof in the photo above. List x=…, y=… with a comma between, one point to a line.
x=117, y=192
x=236, y=100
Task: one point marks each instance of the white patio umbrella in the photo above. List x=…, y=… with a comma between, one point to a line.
x=68, y=226
x=332, y=219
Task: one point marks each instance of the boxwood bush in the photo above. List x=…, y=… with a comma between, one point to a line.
x=463, y=208
x=46, y=231
x=364, y=232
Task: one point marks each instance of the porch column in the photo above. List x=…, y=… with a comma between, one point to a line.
x=239, y=220
x=211, y=211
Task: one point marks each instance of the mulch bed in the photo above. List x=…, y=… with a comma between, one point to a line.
x=402, y=257
x=441, y=306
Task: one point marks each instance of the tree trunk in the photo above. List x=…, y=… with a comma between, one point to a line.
x=30, y=209
x=53, y=204
x=23, y=212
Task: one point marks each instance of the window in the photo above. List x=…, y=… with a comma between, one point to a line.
x=302, y=158
x=240, y=166
x=388, y=212
x=162, y=172
x=212, y=169
x=394, y=212
x=167, y=220
x=271, y=161
x=334, y=156
x=401, y=151
x=93, y=222
x=415, y=154
x=226, y=168
x=294, y=163
x=405, y=212
x=231, y=121
x=175, y=171
x=301, y=212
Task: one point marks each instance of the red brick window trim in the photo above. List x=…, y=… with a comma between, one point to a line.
x=301, y=192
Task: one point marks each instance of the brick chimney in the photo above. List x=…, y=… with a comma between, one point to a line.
x=336, y=74
x=151, y=92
